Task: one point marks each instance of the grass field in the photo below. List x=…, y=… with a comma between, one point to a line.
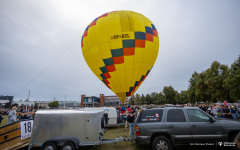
x=4, y=121
x=125, y=145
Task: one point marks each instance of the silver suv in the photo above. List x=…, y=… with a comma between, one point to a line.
x=166, y=127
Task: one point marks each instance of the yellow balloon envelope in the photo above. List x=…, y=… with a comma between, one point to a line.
x=120, y=47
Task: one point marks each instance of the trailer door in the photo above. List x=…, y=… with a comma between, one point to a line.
x=92, y=128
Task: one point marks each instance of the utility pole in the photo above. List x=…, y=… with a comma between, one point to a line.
x=64, y=101
x=37, y=104
x=28, y=95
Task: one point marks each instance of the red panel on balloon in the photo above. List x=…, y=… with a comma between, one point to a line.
x=106, y=81
x=155, y=33
x=107, y=75
x=140, y=43
x=111, y=68
x=149, y=37
x=104, y=15
x=92, y=24
x=128, y=51
x=85, y=33
x=139, y=83
x=134, y=88
x=118, y=60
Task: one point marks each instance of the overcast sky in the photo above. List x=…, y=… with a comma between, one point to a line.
x=40, y=44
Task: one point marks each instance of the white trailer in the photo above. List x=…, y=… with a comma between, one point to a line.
x=113, y=117
x=68, y=129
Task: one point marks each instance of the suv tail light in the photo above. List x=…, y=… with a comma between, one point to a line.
x=137, y=129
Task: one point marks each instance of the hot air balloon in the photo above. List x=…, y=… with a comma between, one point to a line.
x=121, y=47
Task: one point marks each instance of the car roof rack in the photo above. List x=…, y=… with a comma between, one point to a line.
x=165, y=107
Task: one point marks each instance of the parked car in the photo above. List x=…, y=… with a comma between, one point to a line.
x=68, y=129
x=165, y=127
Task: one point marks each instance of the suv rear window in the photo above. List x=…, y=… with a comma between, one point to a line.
x=176, y=115
x=151, y=115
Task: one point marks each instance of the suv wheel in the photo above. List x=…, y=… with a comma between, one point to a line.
x=161, y=143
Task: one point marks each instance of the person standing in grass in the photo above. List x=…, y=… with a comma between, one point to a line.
x=128, y=112
x=130, y=119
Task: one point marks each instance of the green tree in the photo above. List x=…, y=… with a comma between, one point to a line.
x=192, y=88
x=214, y=79
x=201, y=87
x=143, y=99
x=183, y=97
x=161, y=99
x=132, y=100
x=178, y=100
x=138, y=99
x=154, y=97
x=232, y=82
x=225, y=73
x=149, y=99
x=170, y=94
x=53, y=104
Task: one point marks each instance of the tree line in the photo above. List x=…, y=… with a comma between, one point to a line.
x=217, y=83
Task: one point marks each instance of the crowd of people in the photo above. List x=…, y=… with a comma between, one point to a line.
x=216, y=110
x=128, y=113
x=222, y=111
x=16, y=113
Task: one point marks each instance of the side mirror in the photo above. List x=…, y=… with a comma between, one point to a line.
x=211, y=120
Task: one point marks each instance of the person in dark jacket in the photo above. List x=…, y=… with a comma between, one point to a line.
x=130, y=119
x=234, y=113
x=24, y=116
x=1, y=118
x=227, y=113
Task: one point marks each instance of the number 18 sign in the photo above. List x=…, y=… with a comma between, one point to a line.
x=26, y=129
